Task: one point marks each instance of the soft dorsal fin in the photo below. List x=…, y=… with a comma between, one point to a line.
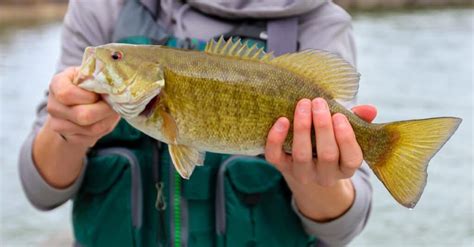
x=327, y=70
x=237, y=49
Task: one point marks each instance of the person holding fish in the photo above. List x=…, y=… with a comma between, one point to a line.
x=302, y=181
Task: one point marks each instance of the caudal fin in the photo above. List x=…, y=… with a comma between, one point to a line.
x=400, y=152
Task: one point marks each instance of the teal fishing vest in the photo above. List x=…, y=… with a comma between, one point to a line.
x=132, y=196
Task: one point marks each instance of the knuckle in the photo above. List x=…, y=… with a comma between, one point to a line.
x=298, y=174
x=347, y=172
x=300, y=156
x=50, y=108
x=271, y=157
x=303, y=178
x=302, y=125
x=84, y=117
x=328, y=155
x=326, y=181
x=98, y=128
x=101, y=128
x=62, y=94
x=353, y=163
x=322, y=123
x=345, y=136
x=272, y=141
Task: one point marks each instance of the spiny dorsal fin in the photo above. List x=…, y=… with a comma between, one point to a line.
x=237, y=49
x=325, y=69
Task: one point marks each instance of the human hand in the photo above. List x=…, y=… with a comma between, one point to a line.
x=78, y=116
x=338, y=157
x=338, y=153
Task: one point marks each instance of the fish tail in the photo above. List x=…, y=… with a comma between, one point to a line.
x=399, y=153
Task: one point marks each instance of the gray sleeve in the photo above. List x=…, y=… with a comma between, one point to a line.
x=341, y=231
x=329, y=28
x=85, y=24
x=41, y=195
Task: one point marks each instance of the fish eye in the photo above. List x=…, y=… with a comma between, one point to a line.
x=116, y=55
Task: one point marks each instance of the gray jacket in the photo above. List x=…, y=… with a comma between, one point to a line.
x=322, y=25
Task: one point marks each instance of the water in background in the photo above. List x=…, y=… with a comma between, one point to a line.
x=413, y=65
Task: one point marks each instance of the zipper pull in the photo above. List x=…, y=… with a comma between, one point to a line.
x=160, y=203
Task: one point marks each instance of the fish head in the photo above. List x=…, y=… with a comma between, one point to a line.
x=126, y=77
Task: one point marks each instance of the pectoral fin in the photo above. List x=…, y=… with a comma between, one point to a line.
x=185, y=159
x=170, y=130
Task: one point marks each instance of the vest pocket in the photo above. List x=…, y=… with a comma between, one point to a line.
x=108, y=208
x=198, y=192
x=253, y=206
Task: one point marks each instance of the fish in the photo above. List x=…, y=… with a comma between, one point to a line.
x=226, y=98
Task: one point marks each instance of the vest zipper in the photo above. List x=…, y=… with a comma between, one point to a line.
x=177, y=210
x=160, y=203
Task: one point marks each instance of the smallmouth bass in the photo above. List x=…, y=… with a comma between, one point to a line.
x=226, y=99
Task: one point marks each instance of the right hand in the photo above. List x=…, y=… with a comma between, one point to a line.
x=77, y=115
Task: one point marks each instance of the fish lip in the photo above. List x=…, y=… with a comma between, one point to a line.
x=91, y=66
x=150, y=106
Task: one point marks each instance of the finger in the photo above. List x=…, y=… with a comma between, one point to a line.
x=326, y=146
x=302, y=149
x=67, y=128
x=350, y=151
x=274, y=152
x=95, y=131
x=366, y=112
x=91, y=113
x=104, y=126
x=67, y=93
x=80, y=114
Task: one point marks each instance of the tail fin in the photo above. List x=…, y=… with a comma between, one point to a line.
x=400, y=151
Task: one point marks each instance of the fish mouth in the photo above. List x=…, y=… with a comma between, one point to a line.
x=91, y=66
x=150, y=107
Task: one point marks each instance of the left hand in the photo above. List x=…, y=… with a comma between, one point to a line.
x=321, y=186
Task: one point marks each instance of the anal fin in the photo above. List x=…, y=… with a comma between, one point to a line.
x=185, y=158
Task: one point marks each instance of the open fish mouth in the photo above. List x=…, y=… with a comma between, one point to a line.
x=150, y=107
x=90, y=67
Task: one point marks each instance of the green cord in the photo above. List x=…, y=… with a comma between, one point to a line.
x=177, y=210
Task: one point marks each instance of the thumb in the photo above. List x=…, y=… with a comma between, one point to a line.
x=366, y=112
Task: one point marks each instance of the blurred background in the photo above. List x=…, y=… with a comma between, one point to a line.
x=416, y=61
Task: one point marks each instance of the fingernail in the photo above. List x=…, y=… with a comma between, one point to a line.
x=319, y=105
x=304, y=106
x=279, y=126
